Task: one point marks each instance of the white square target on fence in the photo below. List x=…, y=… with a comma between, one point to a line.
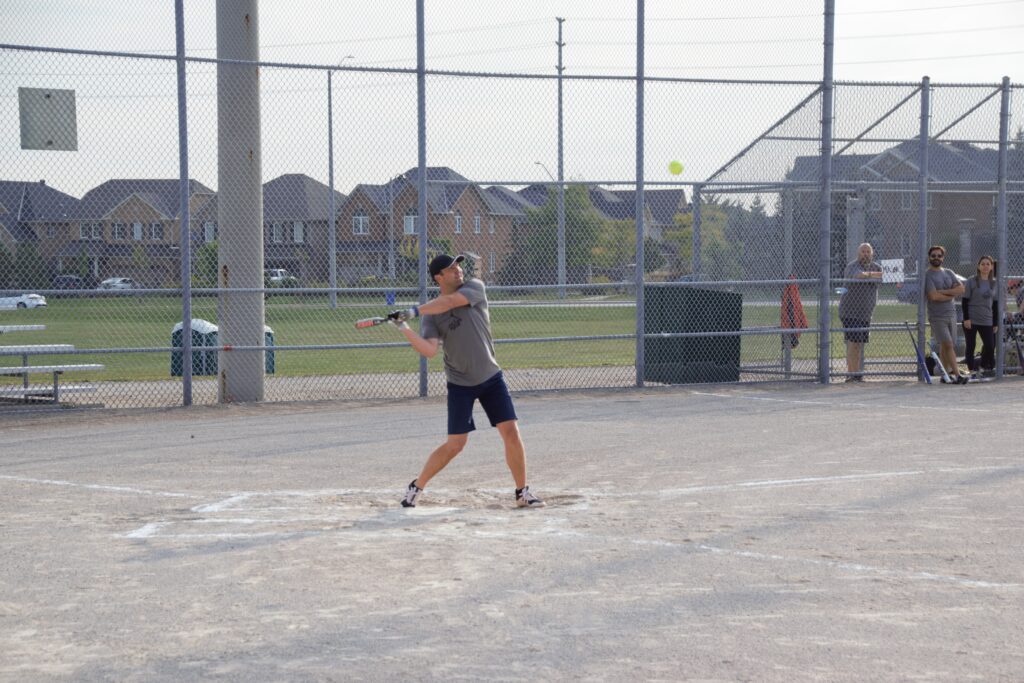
x=48, y=119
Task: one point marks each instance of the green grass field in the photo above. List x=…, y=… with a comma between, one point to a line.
x=146, y=322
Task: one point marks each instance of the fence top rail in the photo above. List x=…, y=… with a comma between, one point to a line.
x=478, y=74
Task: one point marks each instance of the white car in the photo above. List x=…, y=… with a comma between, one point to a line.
x=23, y=301
x=119, y=283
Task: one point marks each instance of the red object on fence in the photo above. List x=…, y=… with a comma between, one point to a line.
x=792, y=312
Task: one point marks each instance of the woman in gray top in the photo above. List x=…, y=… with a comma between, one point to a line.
x=981, y=313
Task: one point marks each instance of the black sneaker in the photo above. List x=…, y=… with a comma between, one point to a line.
x=412, y=494
x=525, y=499
x=961, y=379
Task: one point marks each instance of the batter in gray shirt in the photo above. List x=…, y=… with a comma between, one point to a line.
x=465, y=334
x=935, y=280
x=858, y=302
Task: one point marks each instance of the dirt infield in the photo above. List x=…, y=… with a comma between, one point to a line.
x=844, y=533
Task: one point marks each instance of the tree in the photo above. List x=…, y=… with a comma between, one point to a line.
x=720, y=258
x=204, y=265
x=30, y=271
x=615, y=248
x=6, y=268
x=535, y=244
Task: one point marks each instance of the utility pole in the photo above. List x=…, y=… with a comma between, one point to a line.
x=561, y=169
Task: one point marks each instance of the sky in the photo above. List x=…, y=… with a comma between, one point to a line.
x=499, y=129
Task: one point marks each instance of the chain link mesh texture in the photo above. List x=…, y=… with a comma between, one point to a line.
x=731, y=268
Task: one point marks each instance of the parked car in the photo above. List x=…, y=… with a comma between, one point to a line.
x=23, y=301
x=119, y=283
x=279, y=277
x=906, y=291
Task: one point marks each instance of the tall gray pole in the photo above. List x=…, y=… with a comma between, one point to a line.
x=1001, y=217
x=332, y=216
x=184, y=239
x=639, y=195
x=561, y=171
x=239, y=202
x=825, y=207
x=922, y=210
x=421, y=185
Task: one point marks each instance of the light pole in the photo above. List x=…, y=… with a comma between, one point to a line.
x=332, y=218
x=561, y=229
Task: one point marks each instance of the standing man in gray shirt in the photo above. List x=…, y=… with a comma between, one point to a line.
x=458, y=320
x=857, y=305
x=941, y=287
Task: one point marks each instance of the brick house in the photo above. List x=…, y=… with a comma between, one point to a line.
x=35, y=214
x=378, y=224
x=131, y=228
x=295, y=225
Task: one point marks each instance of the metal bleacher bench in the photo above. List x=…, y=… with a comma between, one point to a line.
x=52, y=392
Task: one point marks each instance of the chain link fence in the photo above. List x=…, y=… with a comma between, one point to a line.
x=316, y=192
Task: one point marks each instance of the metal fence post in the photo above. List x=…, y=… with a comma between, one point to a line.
x=825, y=214
x=561, y=171
x=332, y=227
x=421, y=184
x=695, y=242
x=639, y=197
x=1001, y=219
x=184, y=239
x=922, y=213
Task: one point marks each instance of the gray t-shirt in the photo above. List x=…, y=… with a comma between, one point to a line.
x=979, y=295
x=934, y=280
x=858, y=303
x=465, y=333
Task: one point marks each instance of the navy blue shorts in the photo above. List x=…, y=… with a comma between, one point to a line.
x=493, y=396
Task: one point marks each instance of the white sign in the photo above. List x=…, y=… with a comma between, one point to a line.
x=892, y=270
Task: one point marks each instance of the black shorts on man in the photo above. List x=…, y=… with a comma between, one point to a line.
x=856, y=336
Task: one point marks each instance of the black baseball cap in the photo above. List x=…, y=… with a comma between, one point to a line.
x=442, y=261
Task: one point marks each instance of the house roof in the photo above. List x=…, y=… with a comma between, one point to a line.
x=161, y=194
x=948, y=162
x=296, y=196
x=444, y=187
x=662, y=205
x=23, y=202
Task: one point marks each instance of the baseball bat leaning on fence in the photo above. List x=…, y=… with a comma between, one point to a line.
x=940, y=366
x=922, y=366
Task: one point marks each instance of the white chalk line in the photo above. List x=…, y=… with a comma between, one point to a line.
x=860, y=568
x=838, y=404
x=99, y=487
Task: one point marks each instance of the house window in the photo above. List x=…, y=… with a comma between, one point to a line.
x=907, y=200
x=97, y=231
x=156, y=231
x=360, y=224
x=931, y=202
x=298, y=232
x=84, y=230
x=875, y=201
x=490, y=225
x=51, y=231
x=137, y=232
x=476, y=224
x=410, y=222
x=458, y=223
x=119, y=231
x=276, y=232
x=209, y=231
x=491, y=260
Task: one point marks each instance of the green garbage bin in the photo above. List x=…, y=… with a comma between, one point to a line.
x=691, y=360
x=204, y=333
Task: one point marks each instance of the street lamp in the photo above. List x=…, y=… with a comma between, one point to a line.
x=546, y=170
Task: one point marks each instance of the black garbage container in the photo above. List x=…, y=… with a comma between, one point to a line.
x=691, y=360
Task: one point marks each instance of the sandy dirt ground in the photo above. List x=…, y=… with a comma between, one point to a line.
x=844, y=533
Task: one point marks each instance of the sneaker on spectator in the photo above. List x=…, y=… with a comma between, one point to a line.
x=526, y=499
x=412, y=494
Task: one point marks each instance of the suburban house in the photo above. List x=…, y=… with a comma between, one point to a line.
x=378, y=224
x=961, y=207
x=660, y=206
x=296, y=210
x=130, y=228
x=34, y=215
